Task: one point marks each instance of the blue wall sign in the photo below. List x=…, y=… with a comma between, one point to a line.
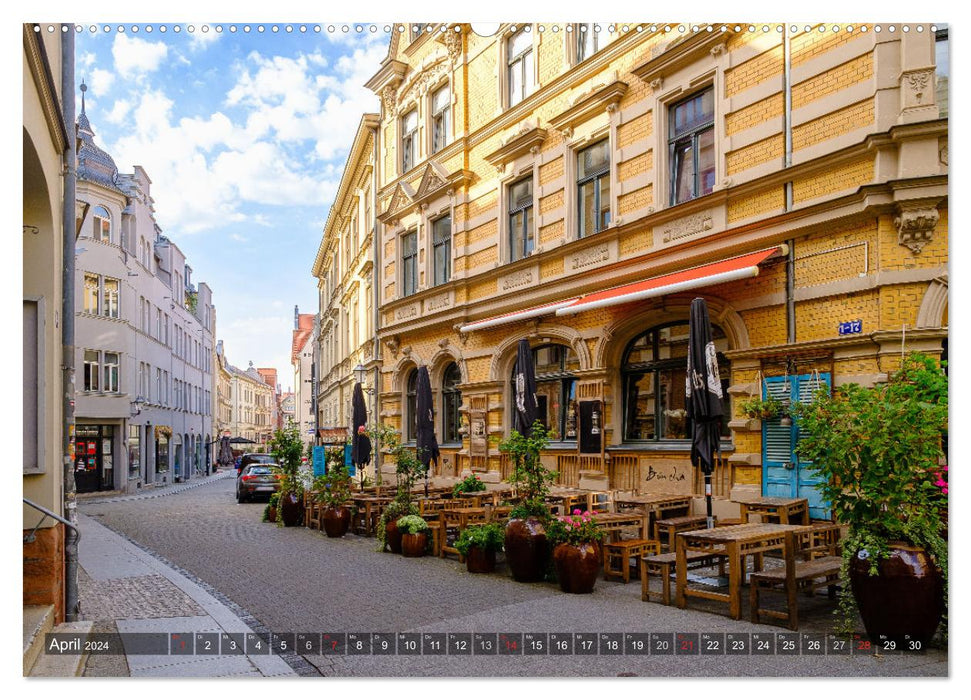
x=850, y=327
x=320, y=458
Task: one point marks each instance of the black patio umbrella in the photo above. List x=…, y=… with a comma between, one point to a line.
x=360, y=442
x=703, y=396
x=241, y=441
x=524, y=392
x=426, y=444
x=225, y=452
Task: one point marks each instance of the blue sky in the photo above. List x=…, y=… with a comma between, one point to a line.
x=244, y=136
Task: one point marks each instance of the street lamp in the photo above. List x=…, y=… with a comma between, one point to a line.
x=360, y=373
x=136, y=406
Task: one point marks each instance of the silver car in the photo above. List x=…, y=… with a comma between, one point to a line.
x=257, y=480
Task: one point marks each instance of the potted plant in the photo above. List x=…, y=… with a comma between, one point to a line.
x=878, y=450
x=287, y=449
x=469, y=484
x=576, y=550
x=414, y=535
x=333, y=490
x=478, y=544
x=763, y=409
x=408, y=470
x=269, y=512
x=525, y=543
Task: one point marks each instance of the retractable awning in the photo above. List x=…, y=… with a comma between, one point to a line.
x=739, y=267
x=728, y=270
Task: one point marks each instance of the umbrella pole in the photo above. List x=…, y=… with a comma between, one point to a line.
x=711, y=520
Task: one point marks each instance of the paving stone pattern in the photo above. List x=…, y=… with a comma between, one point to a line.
x=133, y=597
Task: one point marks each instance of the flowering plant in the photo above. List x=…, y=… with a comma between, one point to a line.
x=333, y=489
x=412, y=524
x=467, y=485
x=578, y=528
x=361, y=430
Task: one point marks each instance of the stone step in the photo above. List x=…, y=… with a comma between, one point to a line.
x=38, y=621
x=66, y=665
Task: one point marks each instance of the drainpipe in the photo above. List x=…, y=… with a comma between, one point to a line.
x=376, y=293
x=68, y=227
x=790, y=258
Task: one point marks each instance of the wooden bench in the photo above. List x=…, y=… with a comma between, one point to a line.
x=672, y=526
x=663, y=564
x=812, y=562
x=617, y=556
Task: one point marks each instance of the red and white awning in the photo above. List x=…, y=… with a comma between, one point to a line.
x=740, y=267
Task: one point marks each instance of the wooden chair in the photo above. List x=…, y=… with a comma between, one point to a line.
x=672, y=526
x=312, y=511
x=812, y=561
x=617, y=556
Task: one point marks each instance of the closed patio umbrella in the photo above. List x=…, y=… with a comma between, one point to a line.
x=426, y=444
x=703, y=396
x=524, y=376
x=225, y=452
x=360, y=442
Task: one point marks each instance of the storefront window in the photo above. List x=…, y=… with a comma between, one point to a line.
x=451, y=400
x=411, y=413
x=653, y=373
x=556, y=390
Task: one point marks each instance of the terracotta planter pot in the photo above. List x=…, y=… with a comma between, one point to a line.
x=480, y=561
x=905, y=598
x=271, y=514
x=291, y=510
x=336, y=521
x=414, y=545
x=526, y=549
x=392, y=537
x=577, y=566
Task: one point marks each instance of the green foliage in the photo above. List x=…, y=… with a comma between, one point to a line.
x=769, y=407
x=487, y=537
x=531, y=478
x=469, y=484
x=578, y=528
x=412, y=524
x=395, y=510
x=333, y=489
x=408, y=469
x=287, y=449
x=274, y=502
x=877, y=450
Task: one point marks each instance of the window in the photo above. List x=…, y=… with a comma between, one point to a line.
x=409, y=263
x=556, y=390
x=112, y=291
x=411, y=405
x=111, y=372
x=159, y=386
x=442, y=249
x=91, y=296
x=102, y=224
x=593, y=188
x=158, y=324
x=521, y=239
x=519, y=66
x=409, y=132
x=451, y=401
x=441, y=104
x=691, y=144
x=588, y=41
x=91, y=371
x=653, y=373
x=942, y=69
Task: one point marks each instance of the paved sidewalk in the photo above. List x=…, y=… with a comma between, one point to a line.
x=153, y=491
x=127, y=590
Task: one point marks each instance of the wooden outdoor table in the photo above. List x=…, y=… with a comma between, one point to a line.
x=371, y=506
x=734, y=542
x=476, y=499
x=613, y=523
x=570, y=499
x=656, y=506
x=787, y=510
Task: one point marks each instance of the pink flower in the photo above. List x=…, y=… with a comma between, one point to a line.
x=576, y=512
x=361, y=430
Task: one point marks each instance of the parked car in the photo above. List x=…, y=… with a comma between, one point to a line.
x=253, y=458
x=257, y=480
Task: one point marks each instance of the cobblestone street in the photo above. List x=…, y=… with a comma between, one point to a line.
x=291, y=580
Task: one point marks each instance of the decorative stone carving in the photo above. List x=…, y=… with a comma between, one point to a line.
x=915, y=227
x=463, y=337
x=717, y=50
x=518, y=279
x=443, y=343
x=441, y=301
x=688, y=226
x=727, y=182
x=656, y=84
x=590, y=256
x=393, y=343
x=918, y=83
x=388, y=98
x=942, y=151
x=453, y=42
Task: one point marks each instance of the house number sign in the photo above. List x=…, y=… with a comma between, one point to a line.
x=850, y=327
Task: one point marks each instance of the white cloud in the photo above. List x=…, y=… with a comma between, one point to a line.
x=100, y=81
x=133, y=55
x=86, y=59
x=200, y=40
x=119, y=111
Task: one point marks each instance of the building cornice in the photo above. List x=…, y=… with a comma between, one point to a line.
x=40, y=71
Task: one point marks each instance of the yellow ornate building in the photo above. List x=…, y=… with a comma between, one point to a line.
x=579, y=185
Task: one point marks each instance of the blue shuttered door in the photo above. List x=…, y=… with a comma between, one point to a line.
x=783, y=474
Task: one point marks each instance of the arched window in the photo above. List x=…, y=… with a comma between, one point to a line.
x=653, y=373
x=451, y=400
x=411, y=406
x=556, y=387
x=102, y=224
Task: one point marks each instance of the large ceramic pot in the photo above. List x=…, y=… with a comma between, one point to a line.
x=905, y=598
x=480, y=561
x=337, y=521
x=577, y=566
x=526, y=549
x=392, y=536
x=414, y=545
x=291, y=509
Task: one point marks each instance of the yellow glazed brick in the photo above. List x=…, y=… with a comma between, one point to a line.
x=851, y=175
x=552, y=232
x=819, y=319
x=551, y=268
x=487, y=203
x=553, y=201
x=894, y=256
x=900, y=304
x=840, y=122
x=551, y=171
x=754, y=114
x=754, y=71
x=850, y=73
x=638, y=199
x=635, y=166
x=766, y=326
x=767, y=200
x=483, y=257
x=636, y=129
x=756, y=154
x=486, y=230
x=632, y=243
x=808, y=45
x=482, y=290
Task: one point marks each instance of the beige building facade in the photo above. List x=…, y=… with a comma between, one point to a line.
x=579, y=188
